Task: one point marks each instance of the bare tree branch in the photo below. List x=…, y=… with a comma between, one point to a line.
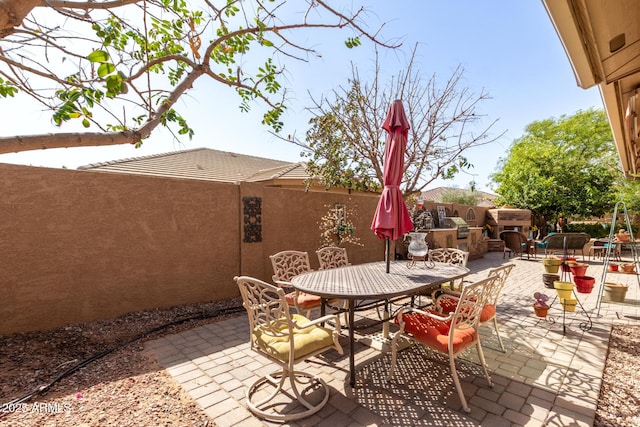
x=345, y=144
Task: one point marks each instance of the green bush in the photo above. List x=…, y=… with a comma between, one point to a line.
x=597, y=230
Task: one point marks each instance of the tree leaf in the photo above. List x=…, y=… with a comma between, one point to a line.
x=98, y=56
x=106, y=69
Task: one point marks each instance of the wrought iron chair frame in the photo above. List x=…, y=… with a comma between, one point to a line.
x=270, y=315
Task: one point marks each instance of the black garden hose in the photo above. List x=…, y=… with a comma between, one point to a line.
x=76, y=367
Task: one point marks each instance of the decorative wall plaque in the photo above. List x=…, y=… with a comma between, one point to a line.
x=252, y=210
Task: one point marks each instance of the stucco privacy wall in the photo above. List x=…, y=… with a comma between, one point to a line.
x=291, y=221
x=79, y=246
x=84, y=245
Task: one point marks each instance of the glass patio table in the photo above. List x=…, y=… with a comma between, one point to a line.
x=370, y=281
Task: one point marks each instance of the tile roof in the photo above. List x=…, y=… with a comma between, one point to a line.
x=205, y=164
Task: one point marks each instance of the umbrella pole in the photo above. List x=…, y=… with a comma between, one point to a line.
x=385, y=317
x=387, y=254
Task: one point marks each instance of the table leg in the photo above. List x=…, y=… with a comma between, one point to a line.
x=352, y=362
x=385, y=318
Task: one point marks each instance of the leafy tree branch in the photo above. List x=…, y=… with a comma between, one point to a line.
x=122, y=65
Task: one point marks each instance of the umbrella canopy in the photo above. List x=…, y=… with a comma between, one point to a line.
x=391, y=219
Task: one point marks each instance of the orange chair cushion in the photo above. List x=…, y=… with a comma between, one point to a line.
x=304, y=300
x=449, y=305
x=435, y=333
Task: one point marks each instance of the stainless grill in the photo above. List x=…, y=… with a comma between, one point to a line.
x=458, y=223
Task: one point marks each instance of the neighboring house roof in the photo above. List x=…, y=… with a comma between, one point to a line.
x=435, y=195
x=205, y=164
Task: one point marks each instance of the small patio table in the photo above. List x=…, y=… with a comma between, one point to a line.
x=370, y=281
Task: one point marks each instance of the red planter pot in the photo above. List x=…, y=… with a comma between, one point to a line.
x=584, y=284
x=567, y=262
x=579, y=269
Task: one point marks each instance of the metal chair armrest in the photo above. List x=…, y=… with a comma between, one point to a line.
x=425, y=313
x=329, y=317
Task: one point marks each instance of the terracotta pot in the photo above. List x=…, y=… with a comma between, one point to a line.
x=628, y=267
x=568, y=262
x=613, y=267
x=551, y=265
x=579, y=269
x=548, y=279
x=564, y=289
x=623, y=237
x=584, y=284
x=540, y=311
x=615, y=292
x=568, y=304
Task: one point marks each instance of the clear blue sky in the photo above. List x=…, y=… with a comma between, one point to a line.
x=508, y=48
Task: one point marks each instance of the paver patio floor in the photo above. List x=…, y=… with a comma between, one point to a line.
x=550, y=373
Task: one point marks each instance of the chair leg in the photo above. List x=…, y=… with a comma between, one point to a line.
x=483, y=363
x=394, y=351
x=456, y=381
x=495, y=324
x=265, y=409
x=394, y=356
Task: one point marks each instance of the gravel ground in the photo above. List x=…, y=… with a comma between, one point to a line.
x=127, y=387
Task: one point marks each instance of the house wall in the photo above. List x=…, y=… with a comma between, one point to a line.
x=82, y=245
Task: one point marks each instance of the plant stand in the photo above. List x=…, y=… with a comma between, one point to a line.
x=565, y=275
x=607, y=257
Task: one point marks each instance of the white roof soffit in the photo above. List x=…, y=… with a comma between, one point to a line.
x=602, y=41
x=577, y=44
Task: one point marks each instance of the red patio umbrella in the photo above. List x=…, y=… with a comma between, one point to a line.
x=391, y=219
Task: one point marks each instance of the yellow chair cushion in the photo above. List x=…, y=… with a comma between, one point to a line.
x=449, y=305
x=435, y=333
x=306, y=341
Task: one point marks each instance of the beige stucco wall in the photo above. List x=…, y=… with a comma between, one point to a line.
x=79, y=246
x=83, y=245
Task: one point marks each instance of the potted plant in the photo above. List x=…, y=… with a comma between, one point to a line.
x=540, y=306
x=623, y=236
x=551, y=264
x=628, y=267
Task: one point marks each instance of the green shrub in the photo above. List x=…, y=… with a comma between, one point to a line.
x=597, y=230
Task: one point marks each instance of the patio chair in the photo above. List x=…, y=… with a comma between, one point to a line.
x=449, y=334
x=559, y=242
x=285, y=339
x=515, y=243
x=332, y=257
x=287, y=264
x=599, y=249
x=450, y=256
x=489, y=311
